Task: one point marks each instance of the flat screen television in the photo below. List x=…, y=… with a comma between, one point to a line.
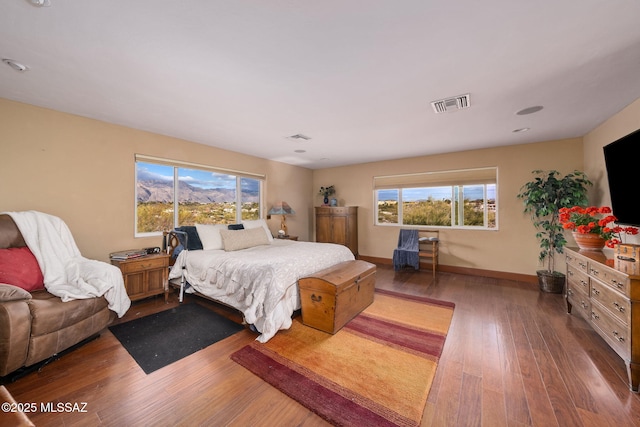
x=620, y=158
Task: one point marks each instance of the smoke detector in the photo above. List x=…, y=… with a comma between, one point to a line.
x=455, y=103
x=300, y=136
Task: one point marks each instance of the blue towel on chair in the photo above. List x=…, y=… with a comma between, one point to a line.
x=407, y=252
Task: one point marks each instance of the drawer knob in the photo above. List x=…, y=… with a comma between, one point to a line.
x=619, y=307
x=569, y=291
x=315, y=298
x=595, y=316
x=595, y=291
x=618, y=337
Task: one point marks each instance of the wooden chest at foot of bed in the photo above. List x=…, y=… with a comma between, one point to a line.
x=333, y=296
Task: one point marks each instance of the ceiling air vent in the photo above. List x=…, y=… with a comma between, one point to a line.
x=451, y=104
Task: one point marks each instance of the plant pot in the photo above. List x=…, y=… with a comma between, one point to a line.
x=589, y=241
x=552, y=283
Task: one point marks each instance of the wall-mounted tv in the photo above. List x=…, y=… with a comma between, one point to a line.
x=620, y=158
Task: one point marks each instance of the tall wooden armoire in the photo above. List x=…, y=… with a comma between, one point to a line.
x=338, y=225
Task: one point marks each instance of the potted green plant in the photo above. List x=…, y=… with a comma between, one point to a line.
x=543, y=197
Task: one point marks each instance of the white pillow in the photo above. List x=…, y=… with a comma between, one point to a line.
x=234, y=240
x=210, y=235
x=258, y=223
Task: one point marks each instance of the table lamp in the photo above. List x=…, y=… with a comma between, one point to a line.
x=282, y=208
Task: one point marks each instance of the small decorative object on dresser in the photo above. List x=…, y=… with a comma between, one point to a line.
x=606, y=292
x=326, y=192
x=593, y=227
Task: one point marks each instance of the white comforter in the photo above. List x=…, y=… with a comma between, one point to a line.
x=67, y=274
x=260, y=281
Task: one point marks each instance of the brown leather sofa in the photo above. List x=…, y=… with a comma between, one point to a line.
x=35, y=326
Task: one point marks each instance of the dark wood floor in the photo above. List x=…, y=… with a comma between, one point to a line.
x=513, y=357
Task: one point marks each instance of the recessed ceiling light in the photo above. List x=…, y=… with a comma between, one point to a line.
x=40, y=3
x=15, y=65
x=529, y=110
x=300, y=151
x=520, y=130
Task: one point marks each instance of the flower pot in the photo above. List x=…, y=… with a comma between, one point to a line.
x=588, y=241
x=552, y=283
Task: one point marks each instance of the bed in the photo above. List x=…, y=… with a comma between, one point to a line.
x=251, y=271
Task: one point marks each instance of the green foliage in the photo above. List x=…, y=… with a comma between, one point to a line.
x=543, y=197
x=430, y=212
x=434, y=212
x=155, y=216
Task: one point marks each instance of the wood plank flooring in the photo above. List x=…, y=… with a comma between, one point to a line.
x=513, y=357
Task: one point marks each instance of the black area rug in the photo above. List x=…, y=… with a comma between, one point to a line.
x=160, y=339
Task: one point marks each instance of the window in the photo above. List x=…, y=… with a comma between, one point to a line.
x=171, y=194
x=461, y=199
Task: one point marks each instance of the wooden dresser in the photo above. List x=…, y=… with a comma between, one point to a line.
x=338, y=225
x=606, y=292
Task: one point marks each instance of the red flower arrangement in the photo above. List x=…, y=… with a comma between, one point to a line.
x=597, y=220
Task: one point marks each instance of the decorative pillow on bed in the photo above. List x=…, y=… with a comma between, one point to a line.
x=235, y=227
x=234, y=240
x=210, y=235
x=193, y=240
x=258, y=223
x=18, y=267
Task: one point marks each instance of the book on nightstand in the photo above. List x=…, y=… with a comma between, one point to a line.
x=128, y=254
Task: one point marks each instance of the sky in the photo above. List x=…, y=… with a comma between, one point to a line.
x=437, y=193
x=195, y=177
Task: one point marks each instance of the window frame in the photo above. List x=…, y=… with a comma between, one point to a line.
x=456, y=180
x=176, y=165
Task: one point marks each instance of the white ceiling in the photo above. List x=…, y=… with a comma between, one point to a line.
x=357, y=76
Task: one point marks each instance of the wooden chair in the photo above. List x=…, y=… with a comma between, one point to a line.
x=428, y=242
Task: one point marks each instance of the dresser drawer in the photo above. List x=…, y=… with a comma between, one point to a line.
x=579, y=302
x=143, y=264
x=578, y=280
x=612, y=278
x=612, y=330
x=577, y=262
x=611, y=300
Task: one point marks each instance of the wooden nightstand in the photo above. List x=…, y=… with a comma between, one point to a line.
x=145, y=276
x=287, y=237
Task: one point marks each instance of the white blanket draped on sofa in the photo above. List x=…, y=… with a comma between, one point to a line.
x=67, y=274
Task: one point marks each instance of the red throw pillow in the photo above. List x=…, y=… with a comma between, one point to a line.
x=18, y=267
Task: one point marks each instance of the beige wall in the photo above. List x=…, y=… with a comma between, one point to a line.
x=512, y=248
x=82, y=170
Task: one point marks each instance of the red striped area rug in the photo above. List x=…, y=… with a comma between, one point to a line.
x=377, y=370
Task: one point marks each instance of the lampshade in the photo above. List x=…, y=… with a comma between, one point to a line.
x=281, y=208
